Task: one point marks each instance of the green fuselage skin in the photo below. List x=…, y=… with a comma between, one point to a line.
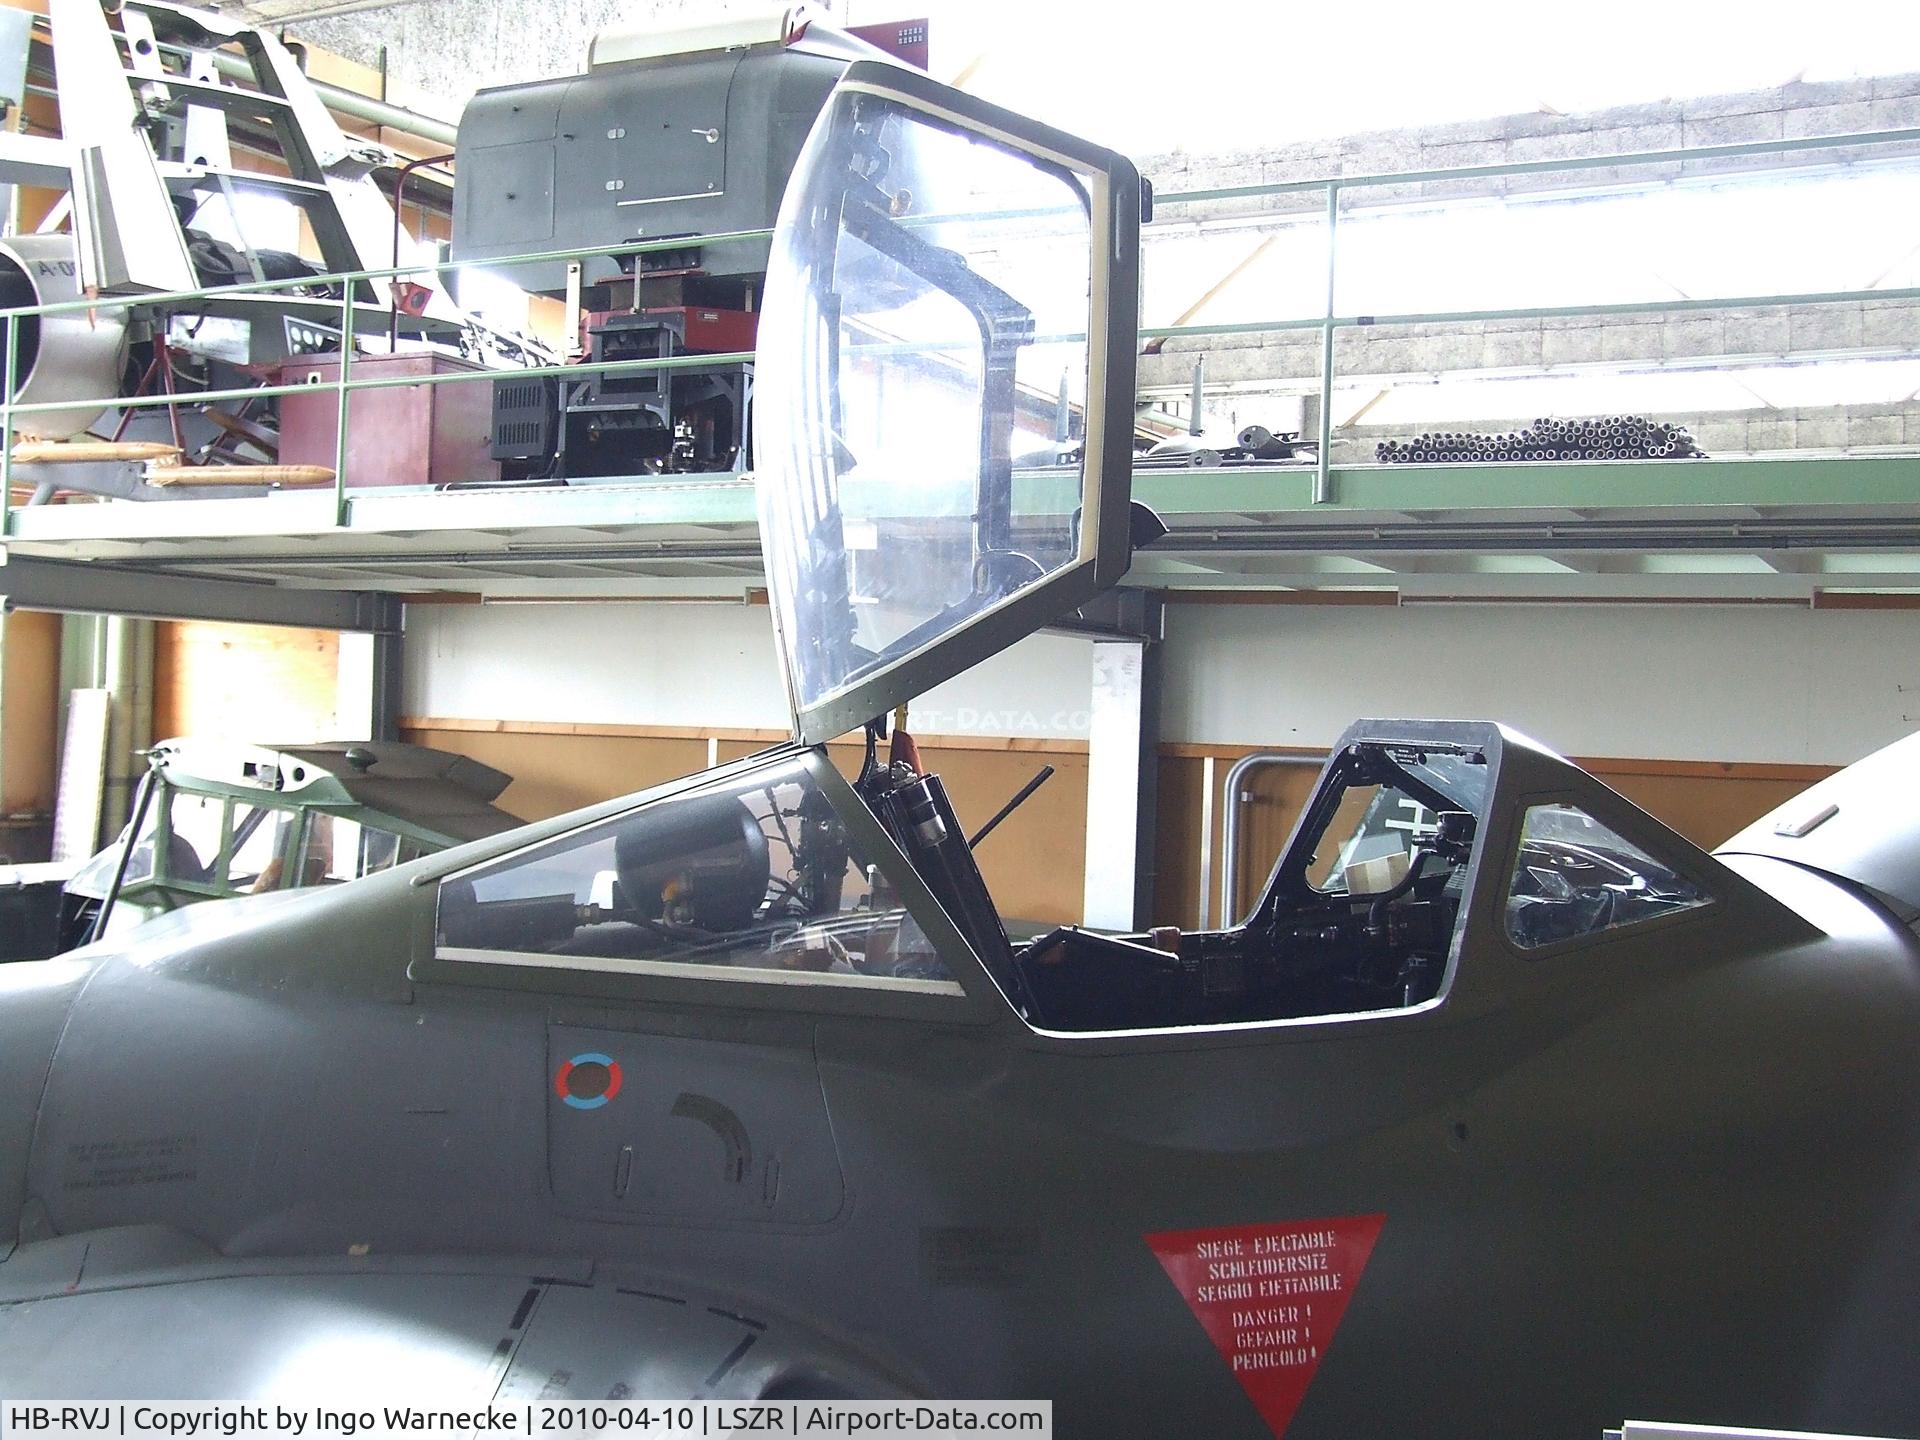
x=1670, y=1173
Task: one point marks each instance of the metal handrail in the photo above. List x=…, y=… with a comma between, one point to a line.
x=390, y=272
x=344, y=384
x=1734, y=151
x=1237, y=800
x=385, y=382
x=1537, y=312
x=1334, y=186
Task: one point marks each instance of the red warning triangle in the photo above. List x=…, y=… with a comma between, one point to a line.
x=1270, y=1297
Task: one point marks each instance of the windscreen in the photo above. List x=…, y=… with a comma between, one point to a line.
x=921, y=403
x=749, y=878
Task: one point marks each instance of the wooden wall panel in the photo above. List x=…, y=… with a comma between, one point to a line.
x=1035, y=863
x=1704, y=802
x=30, y=703
x=263, y=684
x=1176, y=881
x=1277, y=793
x=555, y=771
x=43, y=118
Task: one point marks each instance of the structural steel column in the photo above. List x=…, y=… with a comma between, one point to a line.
x=1122, y=770
x=389, y=676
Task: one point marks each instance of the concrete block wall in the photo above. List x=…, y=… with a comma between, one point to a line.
x=1292, y=358
x=1793, y=111
x=1608, y=344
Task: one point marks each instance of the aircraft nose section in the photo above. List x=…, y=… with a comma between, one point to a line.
x=34, y=999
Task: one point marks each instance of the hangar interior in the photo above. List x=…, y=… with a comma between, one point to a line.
x=751, y=707
x=1718, y=246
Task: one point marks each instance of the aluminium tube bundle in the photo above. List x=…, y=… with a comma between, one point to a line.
x=1610, y=437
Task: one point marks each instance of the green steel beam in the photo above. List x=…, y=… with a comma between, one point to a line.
x=717, y=500
x=1244, y=494
x=1839, y=481
x=622, y=513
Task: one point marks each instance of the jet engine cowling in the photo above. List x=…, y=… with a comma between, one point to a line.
x=70, y=355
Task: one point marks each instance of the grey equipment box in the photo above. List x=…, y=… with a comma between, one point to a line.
x=643, y=149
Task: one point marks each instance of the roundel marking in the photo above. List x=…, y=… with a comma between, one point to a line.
x=588, y=1081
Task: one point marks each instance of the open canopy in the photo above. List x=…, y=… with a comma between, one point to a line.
x=945, y=385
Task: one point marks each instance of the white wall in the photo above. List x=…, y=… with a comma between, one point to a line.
x=1680, y=682
x=693, y=665
x=353, y=687
x=700, y=666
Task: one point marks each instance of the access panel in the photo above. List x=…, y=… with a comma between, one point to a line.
x=656, y=1127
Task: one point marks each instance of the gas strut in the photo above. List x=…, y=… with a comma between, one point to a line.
x=1046, y=774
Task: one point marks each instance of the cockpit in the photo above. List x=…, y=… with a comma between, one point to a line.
x=949, y=284
x=777, y=875
x=753, y=878
x=786, y=872
x=1359, y=915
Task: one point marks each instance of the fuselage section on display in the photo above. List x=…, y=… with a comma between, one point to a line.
x=1505, y=1110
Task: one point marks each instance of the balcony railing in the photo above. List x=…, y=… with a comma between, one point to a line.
x=1328, y=324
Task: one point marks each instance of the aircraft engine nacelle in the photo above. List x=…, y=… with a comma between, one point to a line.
x=72, y=355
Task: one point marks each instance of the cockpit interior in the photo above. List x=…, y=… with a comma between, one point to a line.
x=1359, y=914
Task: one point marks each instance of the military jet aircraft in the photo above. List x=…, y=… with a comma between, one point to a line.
x=1506, y=1111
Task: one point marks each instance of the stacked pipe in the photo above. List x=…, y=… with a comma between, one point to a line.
x=1611, y=437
